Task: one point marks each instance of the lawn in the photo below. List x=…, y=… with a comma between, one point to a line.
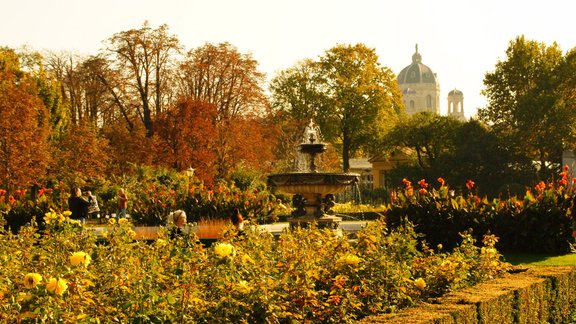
x=541, y=259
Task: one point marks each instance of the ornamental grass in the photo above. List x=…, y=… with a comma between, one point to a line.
x=64, y=274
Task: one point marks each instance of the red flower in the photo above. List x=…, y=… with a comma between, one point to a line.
x=41, y=192
x=406, y=182
x=2, y=192
x=441, y=182
x=61, y=184
x=423, y=191
x=470, y=184
x=11, y=200
x=565, y=168
x=423, y=183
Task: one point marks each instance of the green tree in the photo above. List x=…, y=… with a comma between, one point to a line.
x=525, y=104
x=478, y=155
x=429, y=134
x=347, y=93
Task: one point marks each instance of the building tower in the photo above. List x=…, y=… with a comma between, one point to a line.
x=456, y=104
x=419, y=86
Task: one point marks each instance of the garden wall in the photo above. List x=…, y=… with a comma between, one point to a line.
x=536, y=295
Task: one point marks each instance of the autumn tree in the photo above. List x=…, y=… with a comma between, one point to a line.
x=186, y=135
x=525, y=103
x=81, y=154
x=24, y=125
x=347, y=93
x=48, y=89
x=141, y=62
x=225, y=78
x=221, y=76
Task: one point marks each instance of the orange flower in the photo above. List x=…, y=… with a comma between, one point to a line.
x=423, y=183
x=423, y=191
x=470, y=184
x=409, y=191
x=406, y=182
x=11, y=200
x=565, y=168
x=540, y=186
x=2, y=192
x=441, y=182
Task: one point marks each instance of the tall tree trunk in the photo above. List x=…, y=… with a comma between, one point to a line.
x=346, y=152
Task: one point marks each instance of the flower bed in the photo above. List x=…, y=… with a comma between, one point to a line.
x=304, y=275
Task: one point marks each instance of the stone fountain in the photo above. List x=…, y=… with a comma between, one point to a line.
x=312, y=191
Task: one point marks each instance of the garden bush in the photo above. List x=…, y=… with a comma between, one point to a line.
x=540, y=222
x=63, y=274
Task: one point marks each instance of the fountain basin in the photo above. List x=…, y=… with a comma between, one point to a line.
x=313, y=195
x=312, y=183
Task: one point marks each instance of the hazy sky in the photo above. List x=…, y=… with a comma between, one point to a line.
x=460, y=40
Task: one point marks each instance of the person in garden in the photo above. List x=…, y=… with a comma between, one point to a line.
x=93, y=209
x=122, y=204
x=237, y=220
x=179, y=221
x=78, y=205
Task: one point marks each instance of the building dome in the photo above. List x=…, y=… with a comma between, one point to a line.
x=455, y=92
x=417, y=72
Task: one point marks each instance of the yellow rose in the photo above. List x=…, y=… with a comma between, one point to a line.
x=224, y=249
x=131, y=234
x=24, y=296
x=420, y=283
x=246, y=259
x=243, y=287
x=122, y=221
x=78, y=258
x=112, y=221
x=160, y=242
x=350, y=259
x=67, y=213
x=57, y=286
x=31, y=280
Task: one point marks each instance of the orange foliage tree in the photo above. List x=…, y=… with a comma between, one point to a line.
x=244, y=142
x=187, y=136
x=24, y=126
x=129, y=147
x=81, y=154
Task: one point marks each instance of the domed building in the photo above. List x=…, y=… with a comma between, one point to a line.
x=419, y=86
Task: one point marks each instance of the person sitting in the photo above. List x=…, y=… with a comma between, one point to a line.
x=237, y=220
x=178, y=221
